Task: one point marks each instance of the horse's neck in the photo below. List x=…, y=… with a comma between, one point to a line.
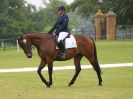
x=37, y=36
x=38, y=39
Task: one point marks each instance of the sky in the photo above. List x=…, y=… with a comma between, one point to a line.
x=39, y=3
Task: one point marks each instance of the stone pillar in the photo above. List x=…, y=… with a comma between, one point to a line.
x=111, y=25
x=99, y=24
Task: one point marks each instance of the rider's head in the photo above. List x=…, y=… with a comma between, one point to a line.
x=61, y=10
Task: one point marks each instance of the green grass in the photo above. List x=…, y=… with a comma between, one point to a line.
x=108, y=52
x=117, y=84
x=115, y=51
x=12, y=59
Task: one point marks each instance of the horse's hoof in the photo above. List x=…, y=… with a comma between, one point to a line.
x=69, y=85
x=100, y=85
x=48, y=85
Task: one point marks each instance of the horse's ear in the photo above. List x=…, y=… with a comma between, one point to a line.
x=20, y=37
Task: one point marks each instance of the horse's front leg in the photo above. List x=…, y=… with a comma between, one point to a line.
x=41, y=66
x=50, y=70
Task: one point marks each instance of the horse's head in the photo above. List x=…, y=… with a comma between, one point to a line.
x=26, y=45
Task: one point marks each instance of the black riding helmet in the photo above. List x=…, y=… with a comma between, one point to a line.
x=61, y=7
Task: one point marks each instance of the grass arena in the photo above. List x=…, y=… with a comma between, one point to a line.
x=117, y=82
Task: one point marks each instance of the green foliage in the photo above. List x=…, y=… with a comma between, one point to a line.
x=75, y=20
x=123, y=8
x=13, y=19
x=85, y=7
x=125, y=11
x=50, y=14
x=17, y=17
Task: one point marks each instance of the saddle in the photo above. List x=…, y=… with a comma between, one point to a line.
x=68, y=42
x=57, y=44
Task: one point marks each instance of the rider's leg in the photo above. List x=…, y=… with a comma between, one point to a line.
x=62, y=46
x=62, y=36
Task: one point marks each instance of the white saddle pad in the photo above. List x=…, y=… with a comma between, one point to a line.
x=70, y=42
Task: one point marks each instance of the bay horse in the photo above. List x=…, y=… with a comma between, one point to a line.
x=46, y=47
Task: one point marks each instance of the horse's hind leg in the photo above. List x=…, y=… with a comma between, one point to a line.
x=96, y=67
x=77, y=69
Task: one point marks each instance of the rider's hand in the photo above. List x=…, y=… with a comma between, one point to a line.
x=50, y=33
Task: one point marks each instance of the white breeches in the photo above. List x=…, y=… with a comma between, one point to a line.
x=62, y=36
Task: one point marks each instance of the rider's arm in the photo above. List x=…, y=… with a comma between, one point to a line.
x=53, y=28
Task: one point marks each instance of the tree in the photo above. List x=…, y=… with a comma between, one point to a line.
x=12, y=17
x=123, y=8
x=84, y=7
x=17, y=17
x=45, y=18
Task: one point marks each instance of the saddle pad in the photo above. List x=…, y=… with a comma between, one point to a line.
x=70, y=42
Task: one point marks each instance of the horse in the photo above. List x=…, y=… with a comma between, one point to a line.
x=46, y=48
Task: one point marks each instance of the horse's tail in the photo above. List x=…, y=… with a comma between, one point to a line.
x=97, y=67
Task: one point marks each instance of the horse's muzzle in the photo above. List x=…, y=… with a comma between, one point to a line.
x=29, y=55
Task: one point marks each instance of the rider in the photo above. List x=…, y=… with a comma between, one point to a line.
x=61, y=27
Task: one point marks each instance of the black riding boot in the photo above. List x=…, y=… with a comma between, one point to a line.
x=62, y=49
